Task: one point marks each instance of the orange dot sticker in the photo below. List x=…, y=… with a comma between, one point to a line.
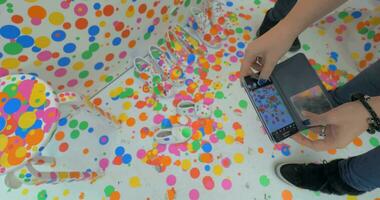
x=37, y=12
x=81, y=23
x=34, y=137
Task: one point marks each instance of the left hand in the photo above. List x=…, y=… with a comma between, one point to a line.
x=344, y=124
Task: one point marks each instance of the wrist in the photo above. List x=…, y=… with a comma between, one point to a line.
x=370, y=105
x=288, y=29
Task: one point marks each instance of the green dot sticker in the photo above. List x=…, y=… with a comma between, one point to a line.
x=218, y=113
x=220, y=134
x=196, y=145
x=93, y=47
x=186, y=132
x=83, y=125
x=374, y=142
x=219, y=95
x=264, y=181
x=74, y=134
x=73, y=123
x=243, y=104
x=13, y=48
x=108, y=190
x=306, y=47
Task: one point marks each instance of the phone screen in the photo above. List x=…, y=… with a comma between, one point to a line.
x=271, y=108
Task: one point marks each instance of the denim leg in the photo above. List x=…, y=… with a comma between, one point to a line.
x=281, y=9
x=366, y=82
x=362, y=172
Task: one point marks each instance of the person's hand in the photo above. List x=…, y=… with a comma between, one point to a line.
x=270, y=47
x=343, y=125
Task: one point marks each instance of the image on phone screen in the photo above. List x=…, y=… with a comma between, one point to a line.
x=271, y=108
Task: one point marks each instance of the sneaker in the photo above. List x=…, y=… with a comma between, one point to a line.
x=316, y=177
x=211, y=35
x=268, y=24
x=191, y=109
x=174, y=135
x=144, y=70
x=168, y=70
x=152, y=79
x=191, y=43
x=218, y=14
x=176, y=48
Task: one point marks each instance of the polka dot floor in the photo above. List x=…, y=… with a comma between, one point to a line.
x=87, y=47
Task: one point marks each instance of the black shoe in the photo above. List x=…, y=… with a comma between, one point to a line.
x=267, y=24
x=316, y=177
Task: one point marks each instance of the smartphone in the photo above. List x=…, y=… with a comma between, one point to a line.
x=272, y=111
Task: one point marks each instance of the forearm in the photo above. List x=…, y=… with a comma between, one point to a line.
x=305, y=13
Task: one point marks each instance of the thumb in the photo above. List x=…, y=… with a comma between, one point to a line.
x=315, y=119
x=249, y=57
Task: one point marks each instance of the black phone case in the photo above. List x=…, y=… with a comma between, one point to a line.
x=291, y=77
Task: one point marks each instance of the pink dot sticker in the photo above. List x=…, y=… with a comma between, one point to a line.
x=103, y=163
x=213, y=138
x=36, y=21
x=226, y=184
x=72, y=83
x=60, y=72
x=171, y=180
x=123, y=54
x=233, y=59
x=194, y=194
x=211, y=58
x=158, y=119
x=44, y=56
x=140, y=153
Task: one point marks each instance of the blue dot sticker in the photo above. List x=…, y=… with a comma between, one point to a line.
x=25, y=40
x=69, y=48
x=12, y=106
x=119, y=151
x=93, y=30
x=58, y=35
x=127, y=158
x=9, y=31
x=207, y=147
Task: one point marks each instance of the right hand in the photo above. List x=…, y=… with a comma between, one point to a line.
x=270, y=47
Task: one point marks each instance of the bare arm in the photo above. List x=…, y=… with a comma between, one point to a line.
x=306, y=12
x=275, y=43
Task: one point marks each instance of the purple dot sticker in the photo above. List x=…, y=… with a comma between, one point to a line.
x=171, y=180
x=103, y=140
x=226, y=184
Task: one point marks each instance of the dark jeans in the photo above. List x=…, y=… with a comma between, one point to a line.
x=360, y=172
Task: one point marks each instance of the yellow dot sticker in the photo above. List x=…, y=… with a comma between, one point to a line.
x=27, y=120
x=56, y=18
